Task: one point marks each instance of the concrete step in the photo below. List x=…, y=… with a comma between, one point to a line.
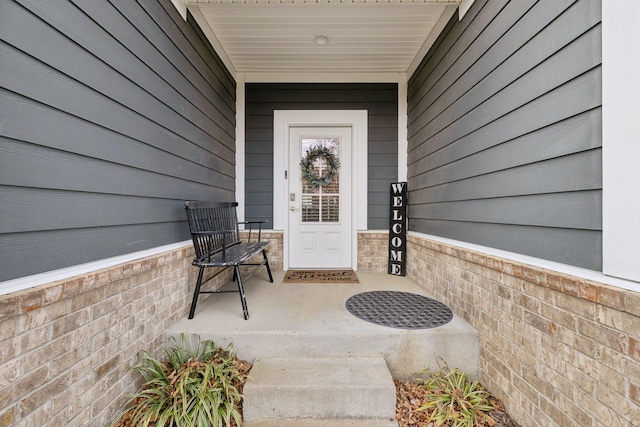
x=319, y=388
x=310, y=320
x=309, y=422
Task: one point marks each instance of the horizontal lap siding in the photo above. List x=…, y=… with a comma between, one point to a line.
x=113, y=114
x=381, y=102
x=505, y=131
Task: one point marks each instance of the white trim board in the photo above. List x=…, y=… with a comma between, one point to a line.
x=578, y=272
x=265, y=77
x=181, y=7
x=357, y=120
x=240, y=147
x=464, y=7
x=620, y=139
x=403, y=141
x=27, y=282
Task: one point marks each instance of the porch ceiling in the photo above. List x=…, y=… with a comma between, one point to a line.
x=366, y=36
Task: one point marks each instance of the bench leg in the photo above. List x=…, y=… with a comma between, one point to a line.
x=196, y=293
x=243, y=300
x=266, y=264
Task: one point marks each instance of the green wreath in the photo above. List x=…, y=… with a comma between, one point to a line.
x=319, y=152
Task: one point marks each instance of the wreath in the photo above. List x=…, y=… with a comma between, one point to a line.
x=319, y=152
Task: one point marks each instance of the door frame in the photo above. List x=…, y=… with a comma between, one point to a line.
x=357, y=121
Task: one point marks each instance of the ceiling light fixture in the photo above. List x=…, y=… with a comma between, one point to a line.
x=321, y=39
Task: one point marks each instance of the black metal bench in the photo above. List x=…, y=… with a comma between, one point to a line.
x=215, y=233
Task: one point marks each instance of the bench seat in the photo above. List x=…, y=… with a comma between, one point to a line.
x=236, y=254
x=215, y=232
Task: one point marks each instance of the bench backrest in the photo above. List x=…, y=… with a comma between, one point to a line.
x=206, y=217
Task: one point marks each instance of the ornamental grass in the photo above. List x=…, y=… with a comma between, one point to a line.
x=453, y=400
x=198, y=385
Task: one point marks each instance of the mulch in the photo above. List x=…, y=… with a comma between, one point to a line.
x=410, y=396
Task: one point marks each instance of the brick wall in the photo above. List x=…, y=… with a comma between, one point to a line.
x=274, y=250
x=560, y=351
x=373, y=251
x=66, y=348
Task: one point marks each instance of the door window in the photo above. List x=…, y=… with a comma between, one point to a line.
x=321, y=204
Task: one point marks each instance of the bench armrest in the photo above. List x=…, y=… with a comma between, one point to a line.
x=250, y=223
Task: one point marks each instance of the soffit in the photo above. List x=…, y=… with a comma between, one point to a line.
x=365, y=37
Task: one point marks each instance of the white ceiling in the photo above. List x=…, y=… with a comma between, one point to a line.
x=263, y=36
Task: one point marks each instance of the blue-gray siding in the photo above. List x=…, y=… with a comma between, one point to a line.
x=381, y=102
x=112, y=114
x=505, y=131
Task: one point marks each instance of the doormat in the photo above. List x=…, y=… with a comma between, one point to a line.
x=401, y=310
x=320, y=276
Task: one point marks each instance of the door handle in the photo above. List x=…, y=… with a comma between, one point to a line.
x=292, y=208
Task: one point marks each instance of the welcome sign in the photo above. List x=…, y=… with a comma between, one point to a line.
x=398, y=230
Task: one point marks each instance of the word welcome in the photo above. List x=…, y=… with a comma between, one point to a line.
x=398, y=230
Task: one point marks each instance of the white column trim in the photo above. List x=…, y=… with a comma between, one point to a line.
x=240, y=146
x=620, y=138
x=403, y=143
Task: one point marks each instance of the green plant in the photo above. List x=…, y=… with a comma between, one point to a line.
x=307, y=165
x=196, y=386
x=454, y=400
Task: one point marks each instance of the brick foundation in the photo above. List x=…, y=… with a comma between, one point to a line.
x=66, y=348
x=560, y=351
x=274, y=250
x=373, y=251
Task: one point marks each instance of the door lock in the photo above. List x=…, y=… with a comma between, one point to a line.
x=292, y=208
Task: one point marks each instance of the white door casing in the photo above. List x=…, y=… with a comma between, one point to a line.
x=355, y=208
x=319, y=218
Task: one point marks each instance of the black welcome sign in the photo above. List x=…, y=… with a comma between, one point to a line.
x=398, y=230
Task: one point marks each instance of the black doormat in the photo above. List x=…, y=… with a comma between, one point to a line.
x=401, y=310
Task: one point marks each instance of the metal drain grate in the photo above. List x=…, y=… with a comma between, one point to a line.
x=400, y=310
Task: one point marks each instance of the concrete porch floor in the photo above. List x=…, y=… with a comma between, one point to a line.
x=310, y=320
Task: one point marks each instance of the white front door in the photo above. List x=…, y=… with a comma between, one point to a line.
x=320, y=217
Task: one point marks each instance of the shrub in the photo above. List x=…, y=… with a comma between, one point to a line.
x=196, y=386
x=455, y=401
